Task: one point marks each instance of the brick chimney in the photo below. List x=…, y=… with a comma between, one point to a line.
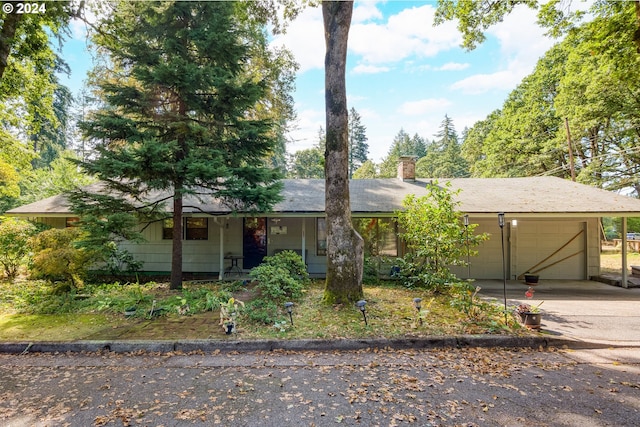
x=407, y=168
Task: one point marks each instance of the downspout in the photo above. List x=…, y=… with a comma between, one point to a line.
x=221, y=225
x=304, y=240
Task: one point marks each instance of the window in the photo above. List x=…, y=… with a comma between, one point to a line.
x=197, y=229
x=167, y=229
x=321, y=239
x=379, y=234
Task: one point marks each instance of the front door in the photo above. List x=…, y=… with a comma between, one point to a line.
x=254, y=247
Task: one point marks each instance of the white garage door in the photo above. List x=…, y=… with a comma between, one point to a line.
x=555, y=248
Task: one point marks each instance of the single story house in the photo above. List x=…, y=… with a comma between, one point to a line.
x=551, y=225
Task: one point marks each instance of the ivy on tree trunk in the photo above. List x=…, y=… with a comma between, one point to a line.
x=345, y=255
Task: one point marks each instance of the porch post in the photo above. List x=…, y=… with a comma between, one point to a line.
x=304, y=241
x=624, y=283
x=221, y=274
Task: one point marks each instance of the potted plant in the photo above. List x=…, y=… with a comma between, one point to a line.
x=529, y=315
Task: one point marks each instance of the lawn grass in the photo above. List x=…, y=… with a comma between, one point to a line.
x=611, y=262
x=31, y=310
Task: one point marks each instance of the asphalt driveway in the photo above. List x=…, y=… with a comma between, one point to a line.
x=579, y=310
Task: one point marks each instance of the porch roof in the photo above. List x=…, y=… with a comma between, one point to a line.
x=481, y=196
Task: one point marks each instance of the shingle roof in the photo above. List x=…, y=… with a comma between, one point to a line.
x=533, y=195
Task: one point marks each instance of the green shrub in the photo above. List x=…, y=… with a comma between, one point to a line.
x=435, y=237
x=279, y=278
x=14, y=247
x=263, y=311
x=56, y=256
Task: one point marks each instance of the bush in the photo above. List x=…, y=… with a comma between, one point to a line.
x=280, y=278
x=56, y=256
x=435, y=237
x=14, y=247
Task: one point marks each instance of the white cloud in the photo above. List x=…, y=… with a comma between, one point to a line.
x=522, y=42
x=365, y=11
x=423, y=106
x=481, y=83
x=410, y=32
x=453, y=66
x=305, y=39
x=369, y=69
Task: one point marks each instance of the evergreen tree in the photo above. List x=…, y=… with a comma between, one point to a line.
x=402, y=145
x=181, y=112
x=358, y=147
x=443, y=158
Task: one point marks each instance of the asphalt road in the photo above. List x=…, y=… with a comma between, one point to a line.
x=441, y=387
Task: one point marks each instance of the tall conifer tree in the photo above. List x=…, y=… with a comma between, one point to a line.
x=180, y=111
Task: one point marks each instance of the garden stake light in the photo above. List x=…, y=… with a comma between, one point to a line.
x=289, y=307
x=416, y=304
x=361, y=305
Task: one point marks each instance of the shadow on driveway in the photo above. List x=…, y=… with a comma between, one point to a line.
x=577, y=309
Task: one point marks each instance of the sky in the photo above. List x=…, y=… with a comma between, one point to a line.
x=402, y=72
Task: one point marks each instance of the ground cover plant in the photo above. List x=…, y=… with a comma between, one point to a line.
x=32, y=310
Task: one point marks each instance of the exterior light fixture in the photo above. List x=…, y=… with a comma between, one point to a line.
x=289, y=307
x=361, y=305
x=501, y=219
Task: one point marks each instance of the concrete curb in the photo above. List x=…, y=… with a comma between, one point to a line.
x=186, y=346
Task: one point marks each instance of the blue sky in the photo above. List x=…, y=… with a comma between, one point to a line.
x=402, y=73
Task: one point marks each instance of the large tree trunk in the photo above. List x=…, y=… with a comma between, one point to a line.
x=7, y=34
x=345, y=257
x=176, y=253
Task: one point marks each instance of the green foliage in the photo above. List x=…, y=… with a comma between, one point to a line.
x=589, y=79
x=60, y=175
x=187, y=111
x=307, y=163
x=14, y=244
x=367, y=170
x=57, y=257
x=358, y=147
x=403, y=145
x=474, y=17
x=28, y=84
x=435, y=237
x=443, y=158
x=263, y=311
x=279, y=278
